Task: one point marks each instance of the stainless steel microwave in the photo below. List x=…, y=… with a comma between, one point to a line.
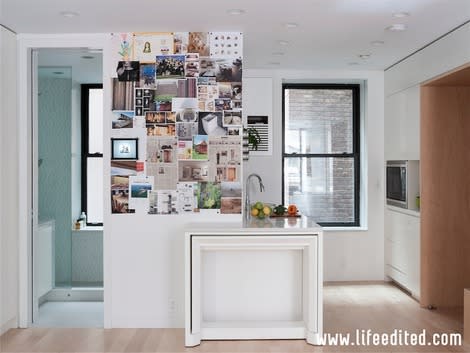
x=402, y=183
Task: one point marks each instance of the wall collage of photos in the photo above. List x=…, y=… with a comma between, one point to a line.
x=177, y=123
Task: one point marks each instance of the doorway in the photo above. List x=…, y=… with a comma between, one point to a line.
x=67, y=266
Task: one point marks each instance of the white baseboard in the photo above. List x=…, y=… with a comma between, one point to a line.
x=74, y=295
x=12, y=323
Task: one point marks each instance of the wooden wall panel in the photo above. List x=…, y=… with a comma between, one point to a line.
x=445, y=195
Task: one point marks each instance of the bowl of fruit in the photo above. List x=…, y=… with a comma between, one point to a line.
x=261, y=210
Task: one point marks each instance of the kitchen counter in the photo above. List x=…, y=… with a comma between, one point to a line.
x=261, y=279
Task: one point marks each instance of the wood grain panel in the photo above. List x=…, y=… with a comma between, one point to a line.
x=445, y=194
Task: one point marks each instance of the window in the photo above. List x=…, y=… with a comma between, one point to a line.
x=92, y=152
x=321, y=146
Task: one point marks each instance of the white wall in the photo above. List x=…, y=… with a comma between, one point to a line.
x=350, y=255
x=8, y=183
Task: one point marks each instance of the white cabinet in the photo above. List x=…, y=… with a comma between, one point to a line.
x=402, y=123
x=402, y=248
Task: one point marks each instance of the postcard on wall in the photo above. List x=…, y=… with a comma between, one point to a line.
x=170, y=66
x=232, y=118
x=121, y=47
x=185, y=131
x=200, y=147
x=185, y=149
x=180, y=40
x=165, y=175
x=120, y=194
x=155, y=129
x=163, y=202
x=123, y=119
x=209, y=195
x=146, y=46
x=128, y=71
x=198, y=42
x=229, y=70
x=139, y=187
x=161, y=149
x=231, y=205
x=187, y=200
x=186, y=87
x=147, y=75
x=166, y=90
x=186, y=109
x=211, y=123
x=123, y=95
x=193, y=170
x=191, y=68
x=126, y=168
x=207, y=68
x=226, y=44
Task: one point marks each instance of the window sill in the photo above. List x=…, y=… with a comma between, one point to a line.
x=89, y=229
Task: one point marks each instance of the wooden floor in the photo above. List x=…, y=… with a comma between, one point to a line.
x=380, y=307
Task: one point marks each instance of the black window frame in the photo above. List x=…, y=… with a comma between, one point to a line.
x=85, y=98
x=356, y=145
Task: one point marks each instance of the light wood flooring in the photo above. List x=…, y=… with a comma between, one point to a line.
x=347, y=307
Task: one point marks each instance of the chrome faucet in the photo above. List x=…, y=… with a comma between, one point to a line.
x=247, y=192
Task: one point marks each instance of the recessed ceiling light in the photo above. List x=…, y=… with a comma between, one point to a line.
x=58, y=73
x=401, y=14
x=283, y=42
x=291, y=25
x=364, y=56
x=377, y=43
x=69, y=14
x=87, y=57
x=235, y=12
x=397, y=27
x=278, y=53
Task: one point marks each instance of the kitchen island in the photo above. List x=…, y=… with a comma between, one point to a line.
x=260, y=279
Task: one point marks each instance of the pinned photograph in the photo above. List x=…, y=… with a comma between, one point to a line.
x=207, y=67
x=191, y=68
x=225, y=156
x=236, y=90
x=148, y=45
x=166, y=90
x=180, y=40
x=200, y=147
x=233, y=131
x=207, y=105
x=185, y=131
x=155, y=117
x=229, y=70
x=225, y=90
x=187, y=199
x=139, y=187
x=210, y=123
x=165, y=175
x=232, y=118
x=170, y=66
x=186, y=109
x=147, y=75
x=209, y=195
x=123, y=120
x=198, y=42
x=185, y=149
x=163, y=202
x=231, y=189
x=160, y=129
x=119, y=167
x=226, y=44
x=193, y=170
x=120, y=194
x=187, y=88
x=128, y=71
x=231, y=205
x=123, y=95
x=161, y=149
x=222, y=104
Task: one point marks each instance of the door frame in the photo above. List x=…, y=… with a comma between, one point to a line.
x=27, y=126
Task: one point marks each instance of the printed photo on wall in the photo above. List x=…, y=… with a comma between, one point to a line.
x=231, y=189
x=181, y=40
x=185, y=149
x=200, y=147
x=186, y=109
x=123, y=95
x=229, y=70
x=125, y=148
x=191, y=68
x=210, y=123
x=232, y=118
x=163, y=202
x=147, y=75
x=161, y=149
x=225, y=158
x=207, y=67
x=226, y=44
x=170, y=66
x=123, y=120
x=222, y=104
x=231, y=205
x=187, y=200
x=186, y=87
x=121, y=46
x=236, y=90
x=160, y=129
x=225, y=90
x=148, y=45
x=120, y=167
x=165, y=175
x=193, y=171
x=199, y=43
x=139, y=187
x=185, y=131
x=155, y=117
x=166, y=90
x=128, y=71
x=209, y=195
x=120, y=195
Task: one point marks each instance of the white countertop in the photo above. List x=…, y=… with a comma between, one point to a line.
x=285, y=225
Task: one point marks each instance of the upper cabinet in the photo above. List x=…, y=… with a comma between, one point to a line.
x=402, y=115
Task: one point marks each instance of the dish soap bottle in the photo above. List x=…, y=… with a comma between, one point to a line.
x=83, y=218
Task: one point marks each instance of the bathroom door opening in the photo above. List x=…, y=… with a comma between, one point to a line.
x=67, y=266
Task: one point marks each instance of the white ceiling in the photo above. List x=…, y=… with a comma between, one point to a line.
x=331, y=35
